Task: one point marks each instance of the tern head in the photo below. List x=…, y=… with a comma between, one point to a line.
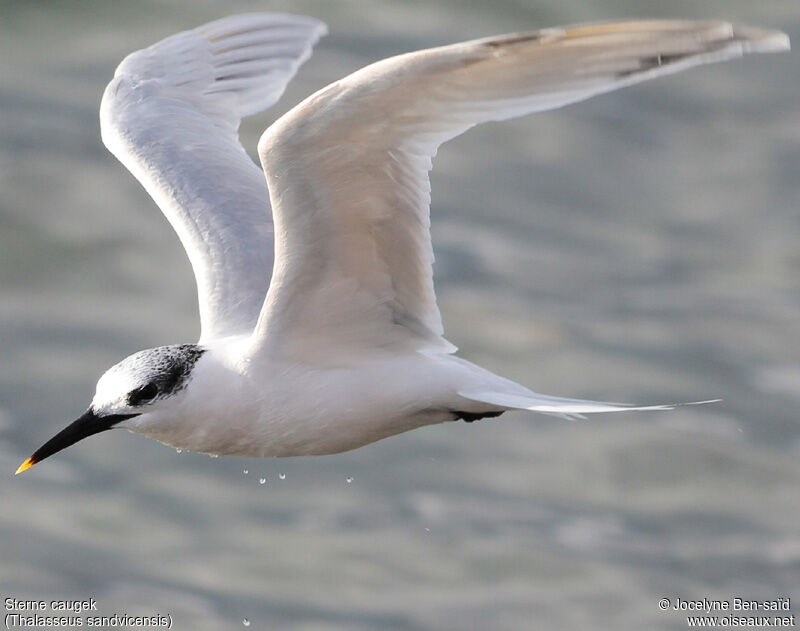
x=140, y=384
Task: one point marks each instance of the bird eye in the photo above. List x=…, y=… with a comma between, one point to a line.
x=143, y=394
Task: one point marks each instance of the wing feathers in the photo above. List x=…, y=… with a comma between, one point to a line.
x=188, y=65
x=348, y=167
x=170, y=116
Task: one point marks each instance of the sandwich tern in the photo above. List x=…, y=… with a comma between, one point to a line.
x=320, y=328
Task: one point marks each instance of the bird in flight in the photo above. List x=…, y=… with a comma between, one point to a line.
x=320, y=330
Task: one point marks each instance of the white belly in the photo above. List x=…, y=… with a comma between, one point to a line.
x=279, y=410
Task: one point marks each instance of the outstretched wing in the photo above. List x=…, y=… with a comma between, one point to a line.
x=171, y=115
x=348, y=168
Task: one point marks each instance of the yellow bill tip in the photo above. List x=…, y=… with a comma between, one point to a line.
x=25, y=466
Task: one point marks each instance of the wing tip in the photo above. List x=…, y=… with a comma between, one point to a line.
x=752, y=38
x=762, y=40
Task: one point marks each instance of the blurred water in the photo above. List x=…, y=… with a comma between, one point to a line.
x=642, y=246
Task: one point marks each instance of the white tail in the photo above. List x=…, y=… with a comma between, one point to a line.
x=563, y=408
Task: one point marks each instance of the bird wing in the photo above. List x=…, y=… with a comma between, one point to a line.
x=171, y=115
x=348, y=168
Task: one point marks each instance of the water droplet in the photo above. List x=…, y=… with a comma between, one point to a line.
x=282, y=476
x=245, y=472
x=427, y=530
x=349, y=479
x=246, y=622
x=262, y=480
x=214, y=455
x=178, y=450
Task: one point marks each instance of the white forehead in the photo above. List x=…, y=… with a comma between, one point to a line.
x=116, y=379
x=115, y=384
